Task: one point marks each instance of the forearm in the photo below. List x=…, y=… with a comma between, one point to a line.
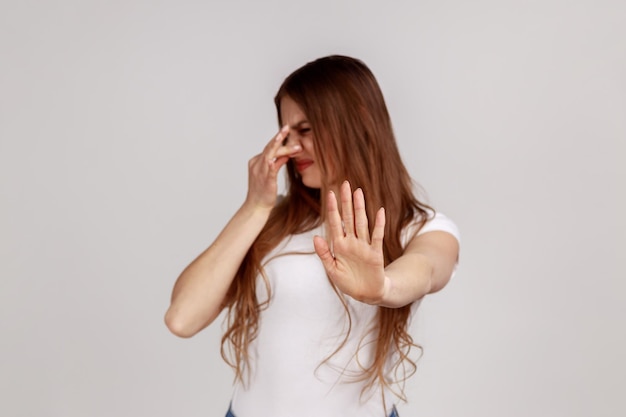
x=425, y=267
x=200, y=289
x=402, y=288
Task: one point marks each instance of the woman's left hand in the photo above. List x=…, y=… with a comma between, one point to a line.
x=357, y=267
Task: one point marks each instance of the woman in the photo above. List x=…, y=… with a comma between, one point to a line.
x=321, y=283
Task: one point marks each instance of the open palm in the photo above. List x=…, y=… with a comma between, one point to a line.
x=356, y=262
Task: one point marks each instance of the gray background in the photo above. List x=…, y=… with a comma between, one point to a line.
x=125, y=131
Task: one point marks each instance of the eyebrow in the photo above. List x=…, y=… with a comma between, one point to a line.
x=299, y=124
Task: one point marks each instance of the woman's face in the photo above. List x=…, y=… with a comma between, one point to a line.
x=300, y=133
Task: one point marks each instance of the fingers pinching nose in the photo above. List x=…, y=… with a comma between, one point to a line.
x=283, y=134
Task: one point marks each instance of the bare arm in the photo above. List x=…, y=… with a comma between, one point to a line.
x=200, y=289
x=425, y=267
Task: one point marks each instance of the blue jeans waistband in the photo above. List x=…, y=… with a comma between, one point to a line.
x=394, y=412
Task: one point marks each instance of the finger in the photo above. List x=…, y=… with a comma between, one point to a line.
x=274, y=164
x=379, y=230
x=334, y=219
x=346, y=209
x=282, y=134
x=360, y=216
x=287, y=150
x=277, y=141
x=278, y=163
x=323, y=251
x=277, y=148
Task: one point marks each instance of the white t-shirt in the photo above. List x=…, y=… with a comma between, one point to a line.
x=303, y=325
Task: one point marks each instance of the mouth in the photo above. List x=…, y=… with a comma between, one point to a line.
x=303, y=164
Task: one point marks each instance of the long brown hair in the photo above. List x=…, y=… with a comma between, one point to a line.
x=353, y=140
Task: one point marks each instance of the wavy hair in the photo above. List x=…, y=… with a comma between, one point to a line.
x=353, y=139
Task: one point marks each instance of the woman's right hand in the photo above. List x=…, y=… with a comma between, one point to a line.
x=263, y=170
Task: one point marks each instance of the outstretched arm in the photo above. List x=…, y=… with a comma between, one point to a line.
x=356, y=263
x=425, y=267
x=200, y=289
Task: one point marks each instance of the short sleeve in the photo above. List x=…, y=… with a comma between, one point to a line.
x=439, y=222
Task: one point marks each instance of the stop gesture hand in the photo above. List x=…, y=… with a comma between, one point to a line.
x=356, y=263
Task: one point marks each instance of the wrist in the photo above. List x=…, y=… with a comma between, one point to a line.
x=382, y=298
x=387, y=291
x=259, y=204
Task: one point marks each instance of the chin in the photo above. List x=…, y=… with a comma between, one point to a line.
x=311, y=184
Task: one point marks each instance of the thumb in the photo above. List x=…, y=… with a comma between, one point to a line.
x=323, y=251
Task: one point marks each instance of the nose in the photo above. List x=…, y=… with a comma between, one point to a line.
x=292, y=139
